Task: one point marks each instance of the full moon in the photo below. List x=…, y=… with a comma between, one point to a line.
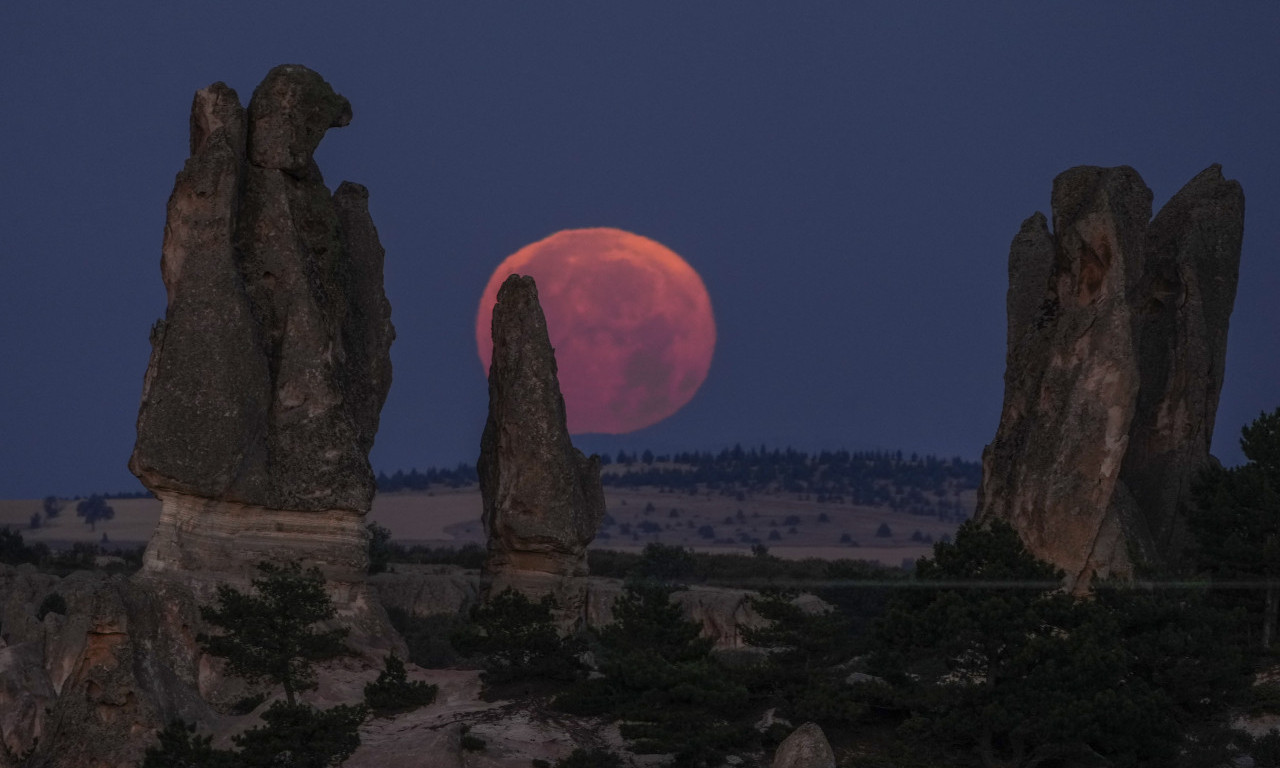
x=629, y=319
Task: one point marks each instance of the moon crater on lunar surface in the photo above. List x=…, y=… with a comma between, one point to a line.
x=630, y=321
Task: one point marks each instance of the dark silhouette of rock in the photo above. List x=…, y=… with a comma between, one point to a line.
x=1117, y=339
x=806, y=747
x=269, y=371
x=542, y=497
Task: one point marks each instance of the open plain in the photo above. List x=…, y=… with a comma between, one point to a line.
x=791, y=525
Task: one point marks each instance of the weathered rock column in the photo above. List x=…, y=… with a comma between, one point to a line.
x=1116, y=346
x=271, y=365
x=543, y=501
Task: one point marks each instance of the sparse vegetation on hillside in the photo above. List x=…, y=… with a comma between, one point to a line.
x=658, y=677
x=393, y=692
x=924, y=485
x=518, y=641
x=80, y=556
x=413, y=480
x=674, y=563
x=998, y=663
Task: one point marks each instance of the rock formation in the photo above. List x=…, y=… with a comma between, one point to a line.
x=259, y=408
x=1117, y=329
x=806, y=747
x=543, y=501
x=268, y=372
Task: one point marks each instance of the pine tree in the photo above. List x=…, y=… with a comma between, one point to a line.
x=1235, y=523
x=658, y=678
x=270, y=635
x=999, y=661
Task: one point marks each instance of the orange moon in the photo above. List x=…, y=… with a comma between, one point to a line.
x=630, y=321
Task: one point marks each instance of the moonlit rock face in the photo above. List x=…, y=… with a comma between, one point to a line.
x=1116, y=349
x=630, y=321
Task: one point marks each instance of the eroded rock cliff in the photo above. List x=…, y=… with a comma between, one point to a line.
x=1116, y=347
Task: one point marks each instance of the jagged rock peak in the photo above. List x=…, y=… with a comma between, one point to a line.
x=270, y=368
x=288, y=116
x=1116, y=345
x=543, y=501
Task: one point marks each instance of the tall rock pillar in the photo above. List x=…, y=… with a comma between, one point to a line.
x=269, y=370
x=543, y=501
x=1116, y=345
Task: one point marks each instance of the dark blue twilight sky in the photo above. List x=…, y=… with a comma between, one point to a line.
x=845, y=176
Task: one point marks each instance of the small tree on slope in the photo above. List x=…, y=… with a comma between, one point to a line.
x=269, y=634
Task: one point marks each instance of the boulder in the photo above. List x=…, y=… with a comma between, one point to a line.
x=1116, y=342
x=542, y=498
x=806, y=747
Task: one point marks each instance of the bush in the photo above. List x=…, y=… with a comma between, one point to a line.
x=519, y=641
x=180, y=747
x=798, y=675
x=430, y=637
x=393, y=693
x=665, y=562
x=594, y=758
x=14, y=551
x=658, y=678
x=247, y=704
x=301, y=735
x=1012, y=671
x=379, y=547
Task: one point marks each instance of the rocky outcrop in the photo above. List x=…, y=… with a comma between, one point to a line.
x=269, y=370
x=85, y=684
x=543, y=501
x=1116, y=346
x=259, y=407
x=806, y=747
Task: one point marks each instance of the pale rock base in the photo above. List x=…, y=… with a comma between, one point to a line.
x=202, y=543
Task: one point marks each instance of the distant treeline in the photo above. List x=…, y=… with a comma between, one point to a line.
x=921, y=484
x=459, y=477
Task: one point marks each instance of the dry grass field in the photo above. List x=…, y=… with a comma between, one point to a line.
x=790, y=525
